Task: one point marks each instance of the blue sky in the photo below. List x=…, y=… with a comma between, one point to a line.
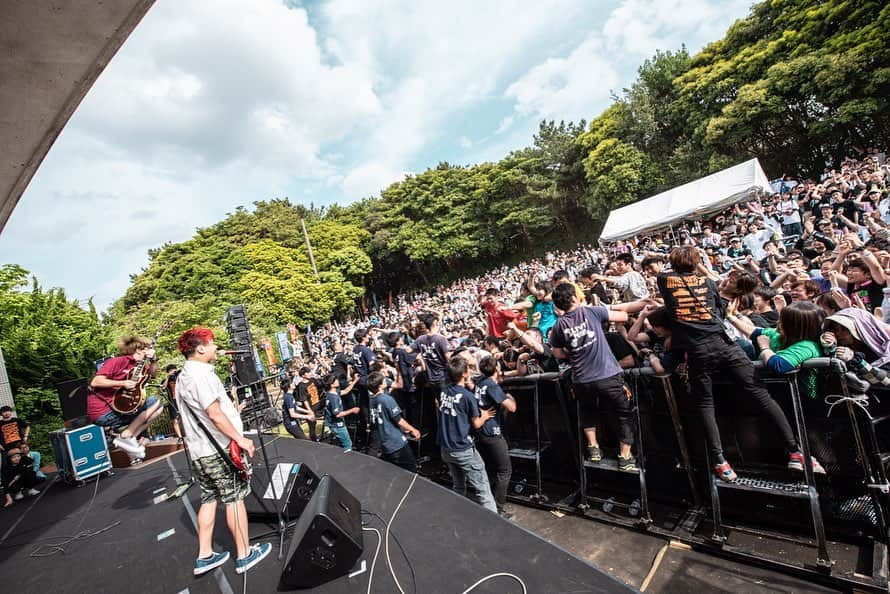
x=212, y=105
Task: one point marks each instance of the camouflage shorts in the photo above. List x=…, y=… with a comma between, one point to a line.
x=218, y=481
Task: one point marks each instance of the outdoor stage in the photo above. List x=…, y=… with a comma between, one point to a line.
x=144, y=543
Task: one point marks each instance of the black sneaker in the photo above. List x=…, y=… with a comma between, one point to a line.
x=594, y=453
x=628, y=464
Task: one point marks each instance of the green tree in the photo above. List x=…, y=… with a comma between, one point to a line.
x=46, y=339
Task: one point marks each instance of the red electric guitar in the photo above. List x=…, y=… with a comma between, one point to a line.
x=240, y=461
x=126, y=401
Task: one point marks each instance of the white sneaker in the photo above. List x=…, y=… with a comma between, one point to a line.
x=18, y=496
x=129, y=445
x=32, y=492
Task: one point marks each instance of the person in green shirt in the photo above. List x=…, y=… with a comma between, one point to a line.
x=783, y=348
x=794, y=340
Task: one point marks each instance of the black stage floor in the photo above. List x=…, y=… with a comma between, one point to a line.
x=131, y=540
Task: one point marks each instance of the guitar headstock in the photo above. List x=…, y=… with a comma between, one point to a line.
x=164, y=327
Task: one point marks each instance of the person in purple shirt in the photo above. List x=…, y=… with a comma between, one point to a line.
x=578, y=336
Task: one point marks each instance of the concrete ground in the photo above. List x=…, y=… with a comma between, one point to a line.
x=633, y=558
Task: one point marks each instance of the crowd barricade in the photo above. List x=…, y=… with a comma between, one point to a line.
x=846, y=432
x=541, y=438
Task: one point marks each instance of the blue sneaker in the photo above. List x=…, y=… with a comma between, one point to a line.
x=257, y=553
x=204, y=565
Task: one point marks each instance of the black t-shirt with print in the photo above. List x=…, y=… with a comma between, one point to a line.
x=12, y=431
x=871, y=293
x=693, y=306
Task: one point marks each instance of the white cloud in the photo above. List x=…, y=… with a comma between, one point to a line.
x=578, y=85
x=430, y=61
x=368, y=179
x=566, y=88
x=227, y=80
x=505, y=124
x=642, y=26
x=465, y=142
x=209, y=105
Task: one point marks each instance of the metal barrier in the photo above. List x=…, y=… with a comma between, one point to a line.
x=637, y=507
x=532, y=439
x=855, y=495
x=750, y=482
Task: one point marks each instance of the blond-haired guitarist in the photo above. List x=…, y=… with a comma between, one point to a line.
x=114, y=375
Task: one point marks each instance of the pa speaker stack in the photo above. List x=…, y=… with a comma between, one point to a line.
x=327, y=539
x=240, y=339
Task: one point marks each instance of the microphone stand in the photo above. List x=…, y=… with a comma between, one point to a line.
x=181, y=488
x=281, y=527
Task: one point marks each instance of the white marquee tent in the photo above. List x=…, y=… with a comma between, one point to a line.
x=693, y=200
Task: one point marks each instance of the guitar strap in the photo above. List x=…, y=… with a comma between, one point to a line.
x=225, y=456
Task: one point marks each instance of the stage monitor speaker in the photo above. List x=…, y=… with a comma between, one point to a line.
x=294, y=485
x=327, y=539
x=73, y=398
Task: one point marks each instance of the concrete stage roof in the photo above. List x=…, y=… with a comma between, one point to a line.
x=51, y=52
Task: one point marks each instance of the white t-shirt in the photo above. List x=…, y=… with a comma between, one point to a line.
x=754, y=242
x=197, y=387
x=790, y=211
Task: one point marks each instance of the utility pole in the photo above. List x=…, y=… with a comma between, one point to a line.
x=309, y=247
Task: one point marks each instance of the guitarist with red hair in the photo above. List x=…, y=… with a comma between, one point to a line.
x=207, y=413
x=114, y=376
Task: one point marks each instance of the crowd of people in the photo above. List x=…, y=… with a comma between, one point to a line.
x=792, y=274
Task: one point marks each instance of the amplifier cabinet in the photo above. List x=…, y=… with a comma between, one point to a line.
x=80, y=453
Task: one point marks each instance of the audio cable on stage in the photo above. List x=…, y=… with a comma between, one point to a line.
x=494, y=575
x=59, y=547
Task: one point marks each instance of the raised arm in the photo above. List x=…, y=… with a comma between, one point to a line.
x=743, y=325
x=874, y=266
x=527, y=339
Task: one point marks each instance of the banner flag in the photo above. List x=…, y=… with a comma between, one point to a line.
x=283, y=346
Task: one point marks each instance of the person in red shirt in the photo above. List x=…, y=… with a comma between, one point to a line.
x=497, y=312
x=113, y=375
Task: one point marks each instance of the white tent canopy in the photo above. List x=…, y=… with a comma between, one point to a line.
x=695, y=199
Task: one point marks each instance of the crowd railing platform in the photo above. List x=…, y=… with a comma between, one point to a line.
x=675, y=495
